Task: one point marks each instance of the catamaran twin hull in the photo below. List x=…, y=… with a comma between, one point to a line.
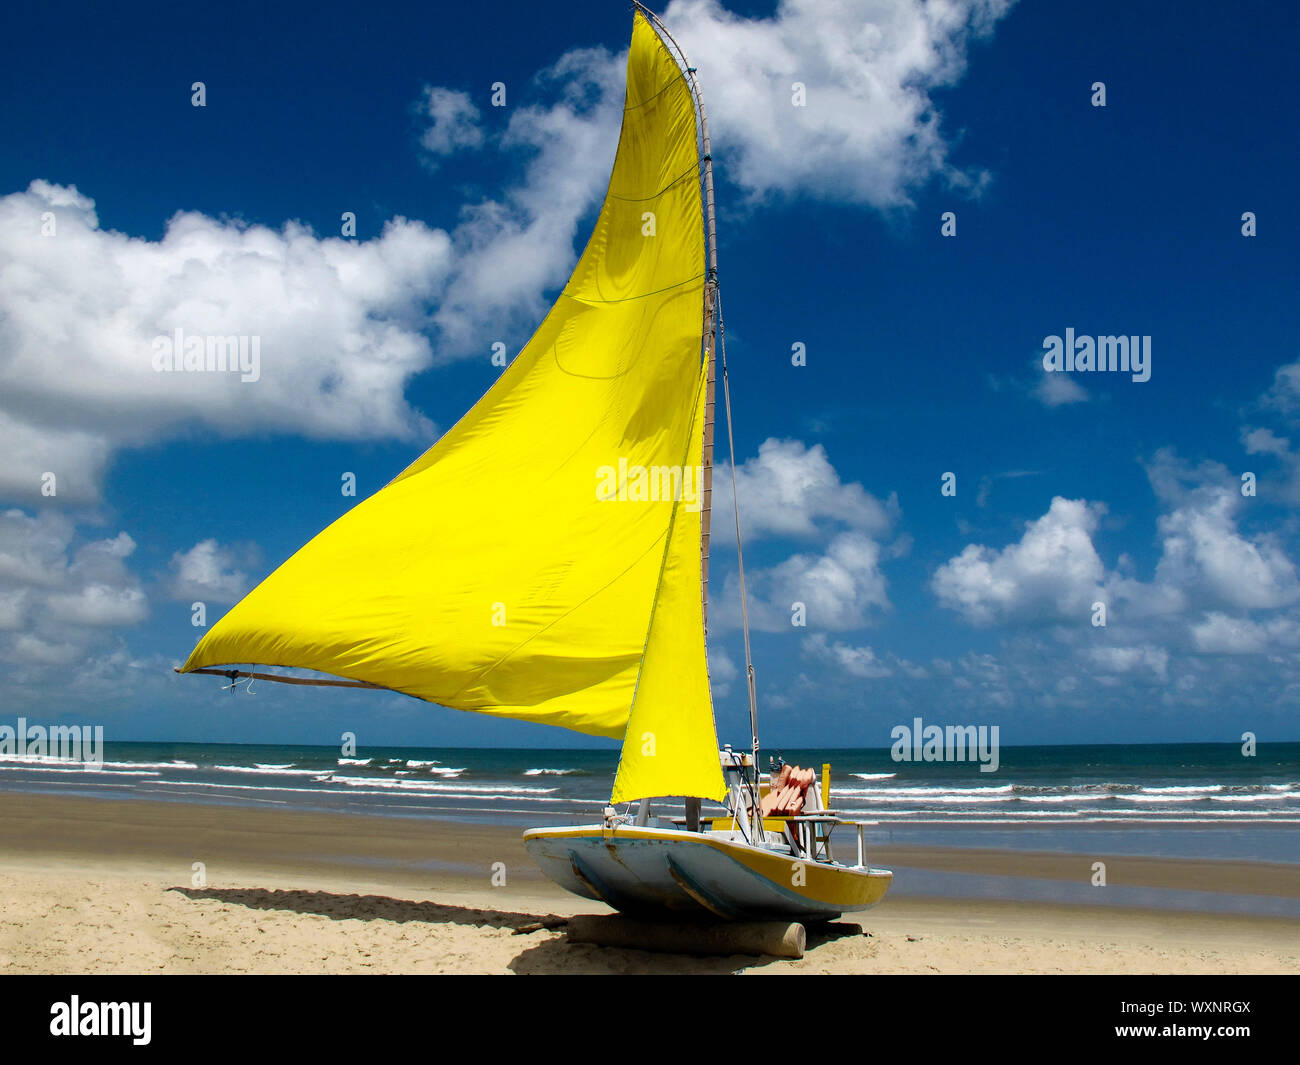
x=667, y=873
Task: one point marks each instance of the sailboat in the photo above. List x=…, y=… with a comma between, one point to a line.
x=547, y=559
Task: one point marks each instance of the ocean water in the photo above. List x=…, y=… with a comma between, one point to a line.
x=1166, y=800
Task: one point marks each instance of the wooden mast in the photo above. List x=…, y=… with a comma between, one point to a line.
x=710, y=336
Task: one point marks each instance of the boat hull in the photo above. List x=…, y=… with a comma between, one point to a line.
x=676, y=875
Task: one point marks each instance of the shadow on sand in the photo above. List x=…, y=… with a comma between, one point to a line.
x=559, y=955
x=552, y=955
x=372, y=908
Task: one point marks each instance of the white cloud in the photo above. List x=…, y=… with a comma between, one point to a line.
x=1050, y=388
x=1204, y=551
x=839, y=589
x=453, y=121
x=1218, y=633
x=1216, y=629
x=861, y=662
x=1206, y=564
x=792, y=490
x=36, y=651
x=1053, y=571
x=856, y=661
x=33, y=549
x=13, y=608
x=60, y=595
x=1058, y=390
x=75, y=458
x=208, y=572
x=984, y=681
x=1204, y=555
x=1284, y=395
x=1266, y=442
x=1130, y=661
x=511, y=249
x=338, y=321
x=869, y=132
x=98, y=604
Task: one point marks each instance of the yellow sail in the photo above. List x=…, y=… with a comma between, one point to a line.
x=516, y=567
x=672, y=716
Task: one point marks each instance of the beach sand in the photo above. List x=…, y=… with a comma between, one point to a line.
x=94, y=886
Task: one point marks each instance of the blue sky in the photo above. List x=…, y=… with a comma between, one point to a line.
x=923, y=351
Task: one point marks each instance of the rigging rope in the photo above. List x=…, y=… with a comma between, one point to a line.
x=740, y=560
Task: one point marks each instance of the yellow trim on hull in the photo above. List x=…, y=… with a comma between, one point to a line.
x=727, y=823
x=838, y=886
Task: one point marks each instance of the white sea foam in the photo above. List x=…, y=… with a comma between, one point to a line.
x=45, y=759
x=263, y=770
x=1165, y=798
x=874, y=776
x=925, y=800
x=1065, y=798
x=550, y=772
x=435, y=787
x=925, y=792
x=1255, y=798
x=426, y=768
x=355, y=761
x=486, y=796
x=79, y=768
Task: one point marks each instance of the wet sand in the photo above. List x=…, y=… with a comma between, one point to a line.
x=96, y=886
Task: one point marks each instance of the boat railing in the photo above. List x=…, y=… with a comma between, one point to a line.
x=803, y=829
x=817, y=846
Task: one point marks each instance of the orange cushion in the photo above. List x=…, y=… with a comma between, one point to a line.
x=788, y=792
